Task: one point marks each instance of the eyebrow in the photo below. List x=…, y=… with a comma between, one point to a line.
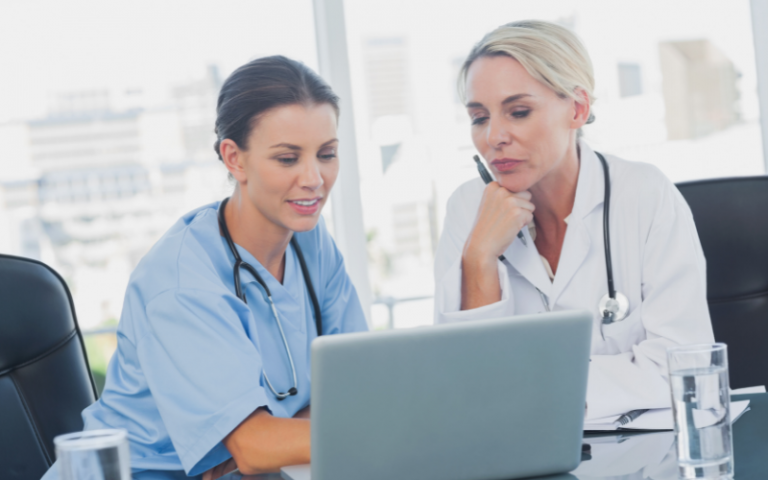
x=296, y=147
x=507, y=100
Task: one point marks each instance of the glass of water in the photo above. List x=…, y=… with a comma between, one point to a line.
x=93, y=455
x=701, y=404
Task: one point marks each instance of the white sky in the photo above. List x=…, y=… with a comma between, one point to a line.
x=610, y=29
x=49, y=46
x=54, y=46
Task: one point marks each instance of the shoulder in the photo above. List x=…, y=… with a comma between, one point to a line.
x=643, y=188
x=471, y=190
x=464, y=202
x=184, y=253
x=639, y=180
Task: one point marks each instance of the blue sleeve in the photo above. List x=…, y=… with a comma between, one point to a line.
x=342, y=312
x=202, y=369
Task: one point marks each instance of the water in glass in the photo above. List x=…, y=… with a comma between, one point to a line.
x=93, y=455
x=701, y=404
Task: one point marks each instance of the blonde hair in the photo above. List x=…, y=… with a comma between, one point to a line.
x=551, y=54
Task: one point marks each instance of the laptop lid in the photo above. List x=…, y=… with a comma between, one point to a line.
x=477, y=400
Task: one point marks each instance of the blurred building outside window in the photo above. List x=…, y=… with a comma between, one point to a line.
x=106, y=131
x=676, y=86
x=106, y=138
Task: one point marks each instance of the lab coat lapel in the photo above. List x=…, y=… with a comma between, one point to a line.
x=589, y=194
x=574, y=252
x=526, y=260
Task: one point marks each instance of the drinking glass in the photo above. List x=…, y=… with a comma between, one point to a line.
x=93, y=455
x=701, y=405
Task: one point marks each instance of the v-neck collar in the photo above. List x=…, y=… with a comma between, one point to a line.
x=289, y=290
x=526, y=259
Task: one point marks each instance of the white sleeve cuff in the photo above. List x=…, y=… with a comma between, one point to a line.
x=618, y=385
x=448, y=297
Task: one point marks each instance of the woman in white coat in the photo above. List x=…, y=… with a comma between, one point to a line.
x=528, y=90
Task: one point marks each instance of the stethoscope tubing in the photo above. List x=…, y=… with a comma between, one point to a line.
x=607, y=317
x=606, y=229
x=239, y=263
x=281, y=396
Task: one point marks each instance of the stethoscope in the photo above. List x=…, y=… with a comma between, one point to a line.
x=613, y=307
x=239, y=263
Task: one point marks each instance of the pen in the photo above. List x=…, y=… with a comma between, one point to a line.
x=487, y=179
x=628, y=417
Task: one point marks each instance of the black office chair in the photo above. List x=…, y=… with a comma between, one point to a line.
x=45, y=380
x=731, y=216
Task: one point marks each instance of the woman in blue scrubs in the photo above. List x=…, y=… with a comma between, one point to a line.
x=200, y=370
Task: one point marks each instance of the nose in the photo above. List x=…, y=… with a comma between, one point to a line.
x=310, y=177
x=497, y=134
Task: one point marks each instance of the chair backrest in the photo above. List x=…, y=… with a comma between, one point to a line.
x=45, y=380
x=731, y=216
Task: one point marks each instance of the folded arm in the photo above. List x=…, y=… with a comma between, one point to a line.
x=263, y=443
x=673, y=312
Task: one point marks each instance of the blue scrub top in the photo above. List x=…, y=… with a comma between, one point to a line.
x=190, y=354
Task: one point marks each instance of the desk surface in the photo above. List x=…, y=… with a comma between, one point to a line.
x=640, y=456
x=652, y=456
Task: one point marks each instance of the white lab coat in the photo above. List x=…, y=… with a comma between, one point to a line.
x=657, y=263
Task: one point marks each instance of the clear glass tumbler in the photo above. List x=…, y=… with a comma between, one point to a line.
x=93, y=455
x=701, y=404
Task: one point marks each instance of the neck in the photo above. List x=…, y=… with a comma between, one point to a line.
x=261, y=237
x=555, y=194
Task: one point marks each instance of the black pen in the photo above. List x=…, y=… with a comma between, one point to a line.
x=628, y=417
x=487, y=179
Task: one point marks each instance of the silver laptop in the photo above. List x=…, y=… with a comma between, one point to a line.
x=487, y=399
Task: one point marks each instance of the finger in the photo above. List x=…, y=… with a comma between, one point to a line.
x=526, y=205
x=493, y=186
x=528, y=218
x=525, y=195
x=520, y=203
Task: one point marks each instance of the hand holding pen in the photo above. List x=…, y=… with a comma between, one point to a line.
x=520, y=207
x=500, y=217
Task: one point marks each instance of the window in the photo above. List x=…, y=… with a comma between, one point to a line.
x=676, y=87
x=106, y=129
x=98, y=162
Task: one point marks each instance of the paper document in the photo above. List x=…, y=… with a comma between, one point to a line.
x=661, y=419
x=748, y=390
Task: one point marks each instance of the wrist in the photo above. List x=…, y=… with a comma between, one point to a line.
x=480, y=284
x=478, y=259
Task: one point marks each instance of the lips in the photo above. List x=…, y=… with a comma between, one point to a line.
x=306, y=206
x=505, y=164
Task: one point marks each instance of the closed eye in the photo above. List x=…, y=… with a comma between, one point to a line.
x=479, y=120
x=520, y=113
x=327, y=154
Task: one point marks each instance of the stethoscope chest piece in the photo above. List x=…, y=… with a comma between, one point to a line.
x=613, y=309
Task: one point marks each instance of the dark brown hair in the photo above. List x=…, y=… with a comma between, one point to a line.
x=261, y=85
